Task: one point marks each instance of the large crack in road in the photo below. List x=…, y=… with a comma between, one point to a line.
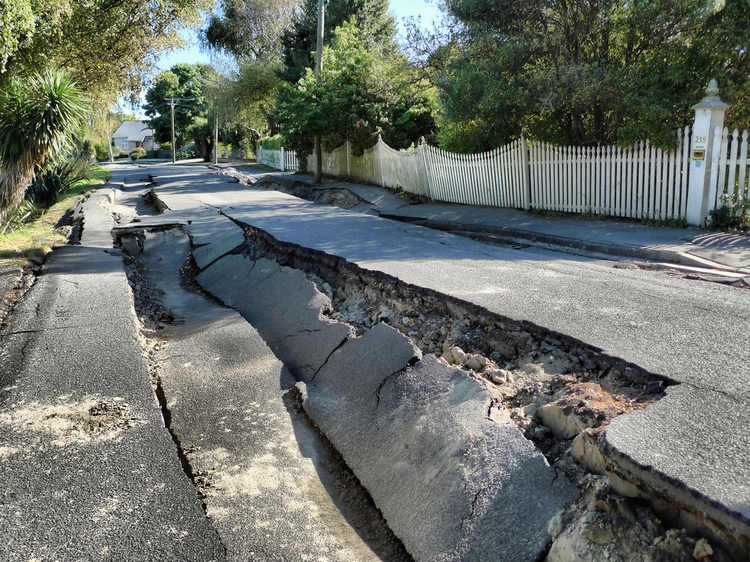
x=271, y=485
x=559, y=392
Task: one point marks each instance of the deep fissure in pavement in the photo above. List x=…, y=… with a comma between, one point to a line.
x=529, y=367
x=552, y=385
x=157, y=322
x=560, y=392
x=153, y=317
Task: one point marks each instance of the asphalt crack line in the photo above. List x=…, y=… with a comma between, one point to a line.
x=339, y=346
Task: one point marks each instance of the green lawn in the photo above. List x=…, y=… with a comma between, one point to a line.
x=30, y=244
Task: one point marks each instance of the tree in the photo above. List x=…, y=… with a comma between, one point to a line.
x=585, y=71
x=37, y=119
x=248, y=102
x=186, y=83
x=377, y=29
x=110, y=46
x=16, y=23
x=364, y=93
x=249, y=28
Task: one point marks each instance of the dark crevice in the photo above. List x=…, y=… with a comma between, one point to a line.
x=699, y=388
x=382, y=384
x=184, y=462
x=368, y=520
x=338, y=272
x=335, y=349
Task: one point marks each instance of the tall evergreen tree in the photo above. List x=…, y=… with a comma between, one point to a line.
x=377, y=27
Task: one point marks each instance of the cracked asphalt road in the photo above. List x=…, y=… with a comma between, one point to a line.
x=695, y=333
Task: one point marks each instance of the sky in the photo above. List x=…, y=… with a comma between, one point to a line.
x=425, y=9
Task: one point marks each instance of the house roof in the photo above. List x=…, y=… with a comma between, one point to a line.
x=133, y=131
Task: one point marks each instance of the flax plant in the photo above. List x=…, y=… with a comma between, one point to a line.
x=37, y=119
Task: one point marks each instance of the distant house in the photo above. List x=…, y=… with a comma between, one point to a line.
x=132, y=134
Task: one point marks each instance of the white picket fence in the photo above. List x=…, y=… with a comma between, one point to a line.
x=498, y=178
x=730, y=169
x=282, y=160
x=642, y=181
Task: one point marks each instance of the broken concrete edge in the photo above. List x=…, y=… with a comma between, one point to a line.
x=318, y=194
x=678, y=504
x=652, y=494
x=153, y=199
x=138, y=229
x=307, y=259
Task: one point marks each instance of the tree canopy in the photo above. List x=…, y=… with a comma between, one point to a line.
x=109, y=46
x=187, y=84
x=249, y=28
x=377, y=29
x=364, y=93
x=587, y=71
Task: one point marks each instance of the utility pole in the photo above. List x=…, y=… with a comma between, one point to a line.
x=172, y=103
x=216, y=139
x=318, y=79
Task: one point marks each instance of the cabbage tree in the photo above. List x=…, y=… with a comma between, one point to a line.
x=37, y=118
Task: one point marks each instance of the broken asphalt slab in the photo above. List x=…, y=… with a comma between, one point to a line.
x=453, y=476
x=452, y=483
x=270, y=490
x=670, y=443
x=281, y=304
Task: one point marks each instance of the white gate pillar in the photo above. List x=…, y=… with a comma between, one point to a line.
x=709, y=114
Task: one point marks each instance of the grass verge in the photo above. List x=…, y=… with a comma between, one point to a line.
x=28, y=246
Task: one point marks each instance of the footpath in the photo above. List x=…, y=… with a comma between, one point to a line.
x=692, y=249
x=89, y=471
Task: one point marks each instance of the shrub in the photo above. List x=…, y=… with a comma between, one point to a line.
x=49, y=183
x=733, y=213
x=187, y=151
x=24, y=213
x=137, y=152
x=102, y=151
x=271, y=143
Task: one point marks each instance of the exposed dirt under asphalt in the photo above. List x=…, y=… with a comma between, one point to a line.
x=560, y=393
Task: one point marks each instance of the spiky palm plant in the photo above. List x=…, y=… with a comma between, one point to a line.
x=37, y=118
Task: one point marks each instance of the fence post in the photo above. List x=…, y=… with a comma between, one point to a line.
x=380, y=160
x=709, y=114
x=348, y=160
x=423, y=146
x=526, y=173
